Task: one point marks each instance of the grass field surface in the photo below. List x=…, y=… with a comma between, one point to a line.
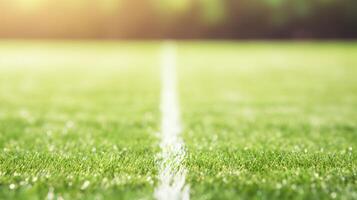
x=78, y=120
x=261, y=120
x=267, y=121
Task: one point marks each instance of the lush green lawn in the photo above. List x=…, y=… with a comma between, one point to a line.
x=261, y=120
x=78, y=120
x=270, y=120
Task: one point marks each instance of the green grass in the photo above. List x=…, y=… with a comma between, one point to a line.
x=78, y=112
x=270, y=120
x=262, y=120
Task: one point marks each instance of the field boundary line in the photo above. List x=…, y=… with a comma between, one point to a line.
x=172, y=173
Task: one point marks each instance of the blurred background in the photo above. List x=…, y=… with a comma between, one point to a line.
x=181, y=19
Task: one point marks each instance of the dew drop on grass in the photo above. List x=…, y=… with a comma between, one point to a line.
x=12, y=186
x=85, y=185
x=284, y=182
x=316, y=175
x=51, y=148
x=22, y=183
x=333, y=195
x=293, y=187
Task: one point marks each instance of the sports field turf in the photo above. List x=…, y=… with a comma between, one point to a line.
x=261, y=120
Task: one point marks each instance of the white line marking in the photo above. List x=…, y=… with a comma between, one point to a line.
x=172, y=174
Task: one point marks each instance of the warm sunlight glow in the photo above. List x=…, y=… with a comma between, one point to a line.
x=173, y=5
x=29, y=4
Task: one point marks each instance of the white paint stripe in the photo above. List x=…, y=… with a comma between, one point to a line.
x=172, y=174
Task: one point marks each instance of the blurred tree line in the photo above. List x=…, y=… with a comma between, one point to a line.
x=178, y=19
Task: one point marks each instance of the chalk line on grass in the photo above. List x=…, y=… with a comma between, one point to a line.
x=172, y=173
